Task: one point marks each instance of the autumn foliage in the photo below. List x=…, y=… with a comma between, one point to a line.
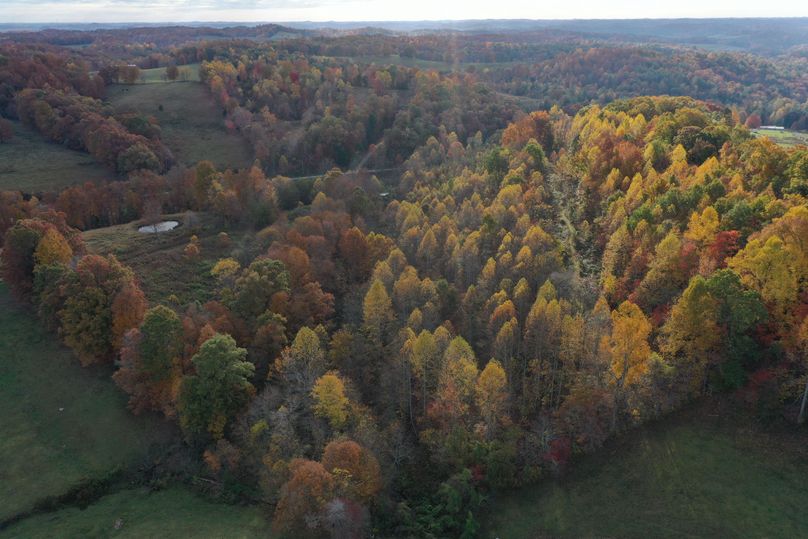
x=520, y=288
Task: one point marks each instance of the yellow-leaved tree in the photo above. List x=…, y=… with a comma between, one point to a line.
x=330, y=401
x=775, y=264
x=628, y=350
x=628, y=344
x=491, y=394
x=703, y=227
x=377, y=310
x=53, y=249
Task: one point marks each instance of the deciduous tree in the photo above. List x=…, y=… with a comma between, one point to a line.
x=219, y=388
x=303, y=497
x=491, y=394
x=53, y=249
x=355, y=467
x=151, y=362
x=330, y=401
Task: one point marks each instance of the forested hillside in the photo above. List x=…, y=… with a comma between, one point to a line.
x=433, y=283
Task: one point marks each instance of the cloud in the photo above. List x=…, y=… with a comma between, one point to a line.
x=177, y=4
x=77, y=11
x=20, y=11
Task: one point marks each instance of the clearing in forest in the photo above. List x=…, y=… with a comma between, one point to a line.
x=192, y=124
x=31, y=164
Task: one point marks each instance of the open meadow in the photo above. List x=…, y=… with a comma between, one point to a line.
x=783, y=137
x=699, y=473
x=31, y=164
x=157, y=75
x=174, y=513
x=158, y=259
x=62, y=425
x=192, y=125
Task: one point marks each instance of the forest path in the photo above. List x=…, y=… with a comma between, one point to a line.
x=562, y=190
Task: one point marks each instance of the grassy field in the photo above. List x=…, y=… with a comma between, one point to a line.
x=192, y=124
x=167, y=514
x=158, y=259
x=31, y=164
x=61, y=424
x=157, y=75
x=695, y=475
x=786, y=137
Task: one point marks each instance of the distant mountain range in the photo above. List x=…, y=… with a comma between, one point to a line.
x=759, y=35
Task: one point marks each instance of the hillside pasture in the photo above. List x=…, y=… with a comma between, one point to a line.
x=139, y=514
x=698, y=474
x=31, y=164
x=63, y=425
x=192, y=124
x=158, y=260
x=156, y=75
x=784, y=137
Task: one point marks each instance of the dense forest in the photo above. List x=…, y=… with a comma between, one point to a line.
x=455, y=264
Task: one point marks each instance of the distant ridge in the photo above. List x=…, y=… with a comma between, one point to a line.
x=760, y=35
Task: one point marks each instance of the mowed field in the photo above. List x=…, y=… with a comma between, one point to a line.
x=188, y=72
x=192, y=124
x=785, y=137
x=158, y=259
x=31, y=164
x=61, y=424
x=692, y=475
x=174, y=513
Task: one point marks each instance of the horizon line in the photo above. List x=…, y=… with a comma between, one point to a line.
x=388, y=21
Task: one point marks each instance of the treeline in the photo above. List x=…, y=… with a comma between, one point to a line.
x=54, y=93
x=307, y=105
x=455, y=48
x=84, y=124
x=322, y=86
x=40, y=66
x=243, y=198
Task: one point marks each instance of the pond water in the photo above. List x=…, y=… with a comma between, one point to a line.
x=163, y=226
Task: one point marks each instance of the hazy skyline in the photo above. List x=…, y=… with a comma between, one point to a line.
x=77, y=11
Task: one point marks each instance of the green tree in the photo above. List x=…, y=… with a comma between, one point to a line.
x=161, y=344
x=18, y=254
x=709, y=327
x=148, y=371
x=218, y=390
x=138, y=157
x=496, y=164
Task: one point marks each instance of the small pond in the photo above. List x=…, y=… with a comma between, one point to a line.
x=163, y=226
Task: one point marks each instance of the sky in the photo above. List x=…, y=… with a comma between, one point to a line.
x=78, y=11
